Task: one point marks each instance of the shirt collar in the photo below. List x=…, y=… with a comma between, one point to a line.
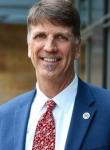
x=64, y=99
x=40, y=98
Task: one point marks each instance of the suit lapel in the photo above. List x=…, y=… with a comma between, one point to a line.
x=79, y=124
x=21, y=121
x=21, y=118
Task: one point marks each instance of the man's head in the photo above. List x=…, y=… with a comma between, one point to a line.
x=54, y=41
x=58, y=12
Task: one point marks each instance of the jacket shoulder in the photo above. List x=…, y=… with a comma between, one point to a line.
x=18, y=100
x=99, y=94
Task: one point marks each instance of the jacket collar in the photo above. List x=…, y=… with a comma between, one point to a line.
x=84, y=104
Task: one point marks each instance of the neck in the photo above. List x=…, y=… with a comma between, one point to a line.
x=52, y=87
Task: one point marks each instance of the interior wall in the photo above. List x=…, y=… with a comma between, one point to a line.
x=16, y=71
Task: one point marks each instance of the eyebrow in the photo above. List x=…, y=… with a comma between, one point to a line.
x=57, y=33
x=63, y=33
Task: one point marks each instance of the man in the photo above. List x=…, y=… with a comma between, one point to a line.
x=82, y=112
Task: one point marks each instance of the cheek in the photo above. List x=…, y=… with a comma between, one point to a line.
x=68, y=53
x=70, y=58
x=35, y=52
x=33, y=48
x=32, y=53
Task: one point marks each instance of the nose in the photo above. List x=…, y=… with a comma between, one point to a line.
x=50, y=45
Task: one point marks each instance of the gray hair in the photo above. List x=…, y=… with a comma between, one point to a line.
x=58, y=12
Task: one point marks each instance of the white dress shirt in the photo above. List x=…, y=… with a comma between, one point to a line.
x=62, y=114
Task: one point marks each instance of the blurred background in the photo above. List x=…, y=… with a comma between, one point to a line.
x=16, y=71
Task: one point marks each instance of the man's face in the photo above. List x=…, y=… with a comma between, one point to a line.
x=52, y=50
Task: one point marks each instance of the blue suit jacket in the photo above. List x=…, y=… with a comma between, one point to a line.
x=84, y=134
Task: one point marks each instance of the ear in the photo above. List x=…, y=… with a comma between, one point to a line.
x=77, y=49
x=77, y=55
x=29, y=52
x=29, y=49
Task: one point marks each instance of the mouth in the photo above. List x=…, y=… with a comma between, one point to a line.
x=51, y=59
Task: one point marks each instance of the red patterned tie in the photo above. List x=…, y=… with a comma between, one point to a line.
x=44, y=138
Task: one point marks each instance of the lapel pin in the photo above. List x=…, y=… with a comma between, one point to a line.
x=86, y=115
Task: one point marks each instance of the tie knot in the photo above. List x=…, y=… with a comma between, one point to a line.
x=50, y=104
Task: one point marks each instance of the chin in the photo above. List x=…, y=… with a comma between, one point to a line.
x=48, y=75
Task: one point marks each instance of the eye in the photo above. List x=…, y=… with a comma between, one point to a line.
x=40, y=36
x=61, y=38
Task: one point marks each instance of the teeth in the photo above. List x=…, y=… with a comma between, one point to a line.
x=50, y=59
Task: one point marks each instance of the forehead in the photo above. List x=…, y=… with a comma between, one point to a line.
x=48, y=27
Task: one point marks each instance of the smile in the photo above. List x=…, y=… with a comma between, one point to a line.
x=51, y=59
